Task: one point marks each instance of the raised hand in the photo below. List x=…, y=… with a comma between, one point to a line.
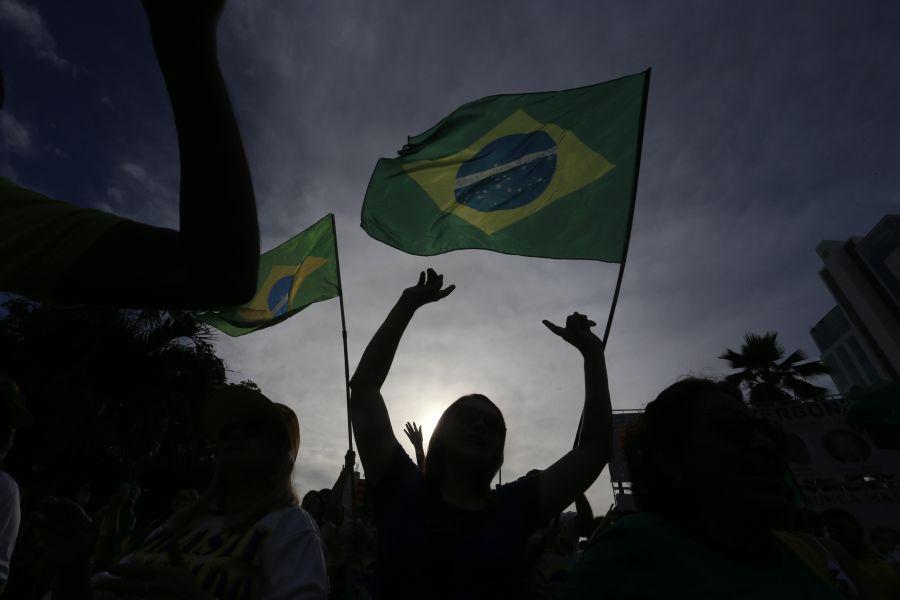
x=349, y=460
x=428, y=289
x=414, y=433
x=578, y=333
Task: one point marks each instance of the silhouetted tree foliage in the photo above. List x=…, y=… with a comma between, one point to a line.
x=768, y=376
x=115, y=395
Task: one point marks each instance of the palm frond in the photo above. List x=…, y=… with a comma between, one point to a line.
x=736, y=379
x=803, y=389
x=795, y=357
x=812, y=368
x=768, y=394
x=735, y=360
x=762, y=350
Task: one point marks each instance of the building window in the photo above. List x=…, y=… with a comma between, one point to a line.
x=862, y=359
x=856, y=378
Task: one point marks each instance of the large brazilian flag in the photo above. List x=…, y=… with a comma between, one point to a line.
x=549, y=174
x=299, y=272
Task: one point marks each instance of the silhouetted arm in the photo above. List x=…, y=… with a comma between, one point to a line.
x=572, y=474
x=368, y=413
x=213, y=260
x=584, y=522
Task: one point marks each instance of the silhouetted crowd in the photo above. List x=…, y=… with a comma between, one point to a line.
x=718, y=512
x=717, y=516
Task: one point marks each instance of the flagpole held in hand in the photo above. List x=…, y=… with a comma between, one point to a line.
x=337, y=262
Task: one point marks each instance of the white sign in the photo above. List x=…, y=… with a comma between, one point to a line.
x=618, y=467
x=874, y=510
x=821, y=445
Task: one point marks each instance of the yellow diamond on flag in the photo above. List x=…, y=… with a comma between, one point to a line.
x=277, y=292
x=516, y=169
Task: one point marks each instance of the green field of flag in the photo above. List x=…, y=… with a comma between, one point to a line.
x=299, y=272
x=548, y=174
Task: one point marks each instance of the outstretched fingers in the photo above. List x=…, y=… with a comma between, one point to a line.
x=429, y=288
x=553, y=327
x=577, y=332
x=577, y=317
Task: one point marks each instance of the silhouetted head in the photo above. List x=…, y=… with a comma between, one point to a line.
x=183, y=499
x=255, y=437
x=313, y=504
x=698, y=450
x=257, y=443
x=127, y=493
x=843, y=527
x=884, y=539
x=470, y=435
x=83, y=494
x=807, y=521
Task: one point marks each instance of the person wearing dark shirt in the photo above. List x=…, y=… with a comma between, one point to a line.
x=443, y=532
x=711, y=484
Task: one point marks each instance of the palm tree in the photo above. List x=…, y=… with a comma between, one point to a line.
x=768, y=376
x=113, y=393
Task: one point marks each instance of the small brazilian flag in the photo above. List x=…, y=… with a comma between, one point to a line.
x=299, y=272
x=550, y=174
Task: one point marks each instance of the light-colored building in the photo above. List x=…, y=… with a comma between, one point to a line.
x=852, y=361
x=860, y=338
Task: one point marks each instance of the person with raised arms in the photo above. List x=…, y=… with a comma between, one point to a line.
x=444, y=533
x=53, y=250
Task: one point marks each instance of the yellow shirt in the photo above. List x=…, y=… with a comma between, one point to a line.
x=882, y=576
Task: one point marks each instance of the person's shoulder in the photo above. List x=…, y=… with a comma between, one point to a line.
x=635, y=533
x=629, y=559
x=10, y=191
x=8, y=486
x=520, y=500
x=401, y=474
x=9, y=186
x=290, y=520
x=517, y=485
x=524, y=488
x=23, y=208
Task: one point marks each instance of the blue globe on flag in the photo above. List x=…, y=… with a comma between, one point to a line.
x=507, y=173
x=279, y=299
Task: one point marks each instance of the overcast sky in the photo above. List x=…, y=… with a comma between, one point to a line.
x=770, y=126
